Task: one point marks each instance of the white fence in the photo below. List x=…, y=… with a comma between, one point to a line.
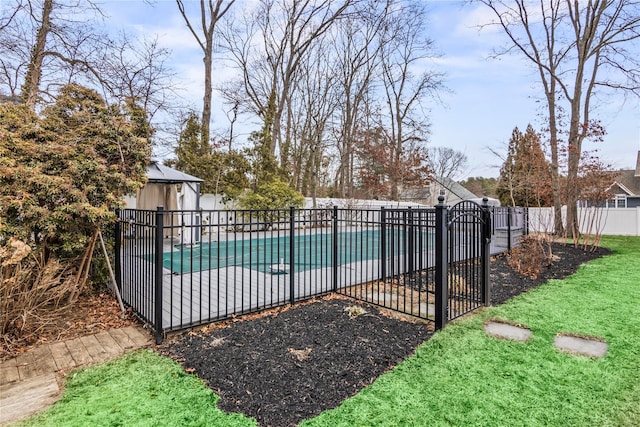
x=611, y=221
x=214, y=202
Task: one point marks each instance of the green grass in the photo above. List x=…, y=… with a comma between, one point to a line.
x=140, y=389
x=463, y=377
x=459, y=377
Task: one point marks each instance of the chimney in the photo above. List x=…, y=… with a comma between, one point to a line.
x=637, y=165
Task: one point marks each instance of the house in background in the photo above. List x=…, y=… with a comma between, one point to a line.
x=626, y=188
x=454, y=192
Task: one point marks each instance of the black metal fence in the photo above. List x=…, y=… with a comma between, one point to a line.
x=179, y=269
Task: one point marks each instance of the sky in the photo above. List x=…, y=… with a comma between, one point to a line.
x=486, y=98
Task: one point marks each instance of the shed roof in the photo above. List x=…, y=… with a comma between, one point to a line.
x=157, y=172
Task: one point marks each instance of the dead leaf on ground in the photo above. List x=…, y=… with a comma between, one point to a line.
x=301, y=354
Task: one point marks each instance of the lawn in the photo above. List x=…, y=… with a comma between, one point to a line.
x=459, y=377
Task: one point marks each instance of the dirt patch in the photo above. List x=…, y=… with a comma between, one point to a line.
x=90, y=314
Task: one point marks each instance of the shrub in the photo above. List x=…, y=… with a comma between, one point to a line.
x=62, y=174
x=31, y=291
x=531, y=256
x=263, y=201
x=272, y=195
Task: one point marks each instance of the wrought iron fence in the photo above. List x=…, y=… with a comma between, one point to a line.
x=179, y=269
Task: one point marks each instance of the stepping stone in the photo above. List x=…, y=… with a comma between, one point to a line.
x=589, y=347
x=506, y=331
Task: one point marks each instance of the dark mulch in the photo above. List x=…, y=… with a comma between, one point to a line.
x=291, y=364
x=506, y=283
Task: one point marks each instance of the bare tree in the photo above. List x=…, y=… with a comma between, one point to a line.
x=406, y=84
x=308, y=120
x=8, y=15
x=447, y=162
x=578, y=48
x=357, y=45
x=43, y=45
x=268, y=48
x=14, y=57
x=137, y=70
x=47, y=44
x=34, y=69
x=203, y=28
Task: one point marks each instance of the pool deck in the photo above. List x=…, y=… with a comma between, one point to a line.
x=204, y=296
x=208, y=295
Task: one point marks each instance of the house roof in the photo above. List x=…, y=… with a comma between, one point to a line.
x=629, y=182
x=157, y=172
x=454, y=187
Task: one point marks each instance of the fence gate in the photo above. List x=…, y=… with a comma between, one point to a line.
x=463, y=237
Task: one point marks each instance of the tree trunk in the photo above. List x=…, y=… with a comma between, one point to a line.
x=208, y=90
x=216, y=12
x=558, y=226
x=573, y=190
x=34, y=70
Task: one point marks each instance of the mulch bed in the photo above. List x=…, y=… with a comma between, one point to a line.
x=506, y=283
x=291, y=364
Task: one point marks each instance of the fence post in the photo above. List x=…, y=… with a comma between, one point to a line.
x=442, y=229
x=292, y=250
x=383, y=244
x=334, y=240
x=117, y=243
x=158, y=274
x=525, y=220
x=486, y=252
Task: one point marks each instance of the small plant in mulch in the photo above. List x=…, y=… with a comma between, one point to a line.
x=531, y=256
